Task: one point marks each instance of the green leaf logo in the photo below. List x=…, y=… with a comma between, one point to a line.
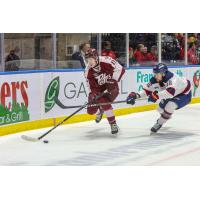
x=51, y=93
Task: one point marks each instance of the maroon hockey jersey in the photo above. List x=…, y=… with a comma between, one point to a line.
x=109, y=69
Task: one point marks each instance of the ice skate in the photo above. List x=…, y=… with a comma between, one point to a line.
x=114, y=128
x=99, y=116
x=155, y=128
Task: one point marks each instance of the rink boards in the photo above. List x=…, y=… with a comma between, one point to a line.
x=28, y=99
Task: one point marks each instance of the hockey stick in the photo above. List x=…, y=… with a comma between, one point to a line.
x=31, y=139
x=61, y=105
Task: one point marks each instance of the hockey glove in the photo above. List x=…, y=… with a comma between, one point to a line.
x=132, y=97
x=92, y=98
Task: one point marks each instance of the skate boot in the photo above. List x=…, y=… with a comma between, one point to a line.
x=114, y=128
x=99, y=115
x=155, y=128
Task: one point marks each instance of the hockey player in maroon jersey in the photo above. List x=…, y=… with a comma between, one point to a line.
x=103, y=74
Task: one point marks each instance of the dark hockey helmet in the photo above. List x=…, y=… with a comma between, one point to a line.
x=160, y=68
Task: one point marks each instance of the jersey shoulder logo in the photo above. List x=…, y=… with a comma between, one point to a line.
x=113, y=62
x=109, y=60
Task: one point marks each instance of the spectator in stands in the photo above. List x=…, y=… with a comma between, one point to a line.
x=107, y=50
x=140, y=54
x=131, y=57
x=182, y=53
x=192, y=39
x=176, y=50
x=181, y=39
x=167, y=37
x=192, y=58
x=171, y=47
x=80, y=55
x=12, y=62
x=153, y=54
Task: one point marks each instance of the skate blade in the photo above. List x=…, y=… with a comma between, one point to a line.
x=98, y=120
x=153, y=133
x=116, y=134
x=28, y=138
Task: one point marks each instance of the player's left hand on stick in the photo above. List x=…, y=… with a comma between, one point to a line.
x=92, y=98
x=153, y=97
x=132, y=97
x=112, y=90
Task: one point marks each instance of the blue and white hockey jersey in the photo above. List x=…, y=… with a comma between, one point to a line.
x=171, y=86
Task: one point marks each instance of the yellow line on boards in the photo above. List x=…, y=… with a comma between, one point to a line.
x=44, y=123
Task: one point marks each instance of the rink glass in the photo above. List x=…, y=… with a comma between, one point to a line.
x=44, y=51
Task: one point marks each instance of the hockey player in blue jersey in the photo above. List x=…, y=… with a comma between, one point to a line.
x=172, y=91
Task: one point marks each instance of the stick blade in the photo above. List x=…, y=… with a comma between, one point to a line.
x=28, y=138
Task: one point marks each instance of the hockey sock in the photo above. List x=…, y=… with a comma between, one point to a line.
x=165, y=116
x=167, y=112
x=110, y=116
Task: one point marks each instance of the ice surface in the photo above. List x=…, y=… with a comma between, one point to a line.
x=88, y=143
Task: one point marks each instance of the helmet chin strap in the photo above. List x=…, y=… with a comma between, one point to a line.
x=97, y=62
x=95, y=67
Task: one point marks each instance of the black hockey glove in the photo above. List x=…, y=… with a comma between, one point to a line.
x=132, y=97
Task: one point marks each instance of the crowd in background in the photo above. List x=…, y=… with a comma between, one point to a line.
x=194, y=48
x=12, y=61
x=143, y=49
x=173, y=47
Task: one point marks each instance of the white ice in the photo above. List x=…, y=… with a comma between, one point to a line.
x=88, y=143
